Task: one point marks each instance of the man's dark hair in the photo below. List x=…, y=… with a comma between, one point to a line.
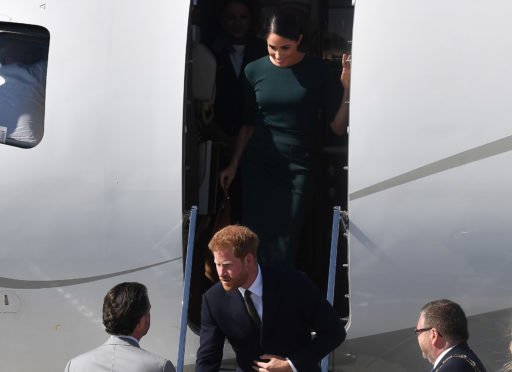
x=448, y=318
x=123, y=307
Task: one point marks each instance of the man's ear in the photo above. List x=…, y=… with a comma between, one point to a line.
x=140, y=323
x=137, y=330
x=249, y=259
x=140, y=329
x=436, y=339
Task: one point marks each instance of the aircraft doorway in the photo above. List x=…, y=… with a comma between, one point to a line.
x=328, y=31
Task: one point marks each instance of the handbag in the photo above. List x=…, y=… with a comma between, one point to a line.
x=222, y=219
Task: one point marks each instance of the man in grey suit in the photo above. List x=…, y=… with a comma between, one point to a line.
x=127, y=319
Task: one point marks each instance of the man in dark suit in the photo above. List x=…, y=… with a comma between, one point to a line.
x=234, y=47
x=267, y=314
x=442, y=332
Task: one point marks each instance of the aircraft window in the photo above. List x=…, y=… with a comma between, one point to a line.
x=23, y=64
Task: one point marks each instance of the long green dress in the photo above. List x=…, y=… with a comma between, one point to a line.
x=283, y=103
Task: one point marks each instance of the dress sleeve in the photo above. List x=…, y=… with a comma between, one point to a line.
x=251, y=114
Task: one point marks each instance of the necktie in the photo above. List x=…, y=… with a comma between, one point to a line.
x=253, y=314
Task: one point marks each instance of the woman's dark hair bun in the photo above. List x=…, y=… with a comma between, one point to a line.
x=285, y=23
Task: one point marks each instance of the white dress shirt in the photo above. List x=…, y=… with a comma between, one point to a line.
x=256, y=289
x=237, y=58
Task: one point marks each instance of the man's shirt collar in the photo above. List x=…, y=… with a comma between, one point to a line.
x=441, y=356
x=256, y=286
x=130, y=338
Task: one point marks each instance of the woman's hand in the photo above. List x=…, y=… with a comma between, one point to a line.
x=345, y=73
x=226, y=177
x=340, y=122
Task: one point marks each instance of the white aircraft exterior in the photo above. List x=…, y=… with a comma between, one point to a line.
x=429, y=187
x=99, y=200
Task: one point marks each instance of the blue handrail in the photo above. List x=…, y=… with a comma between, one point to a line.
x=332, y=265
x=186, y=288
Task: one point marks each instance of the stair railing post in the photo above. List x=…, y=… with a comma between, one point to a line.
x=332, y=265
x=186, y=289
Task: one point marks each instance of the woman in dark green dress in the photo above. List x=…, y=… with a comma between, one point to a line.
x=285, y=92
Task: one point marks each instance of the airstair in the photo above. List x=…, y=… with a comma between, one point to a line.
x=339, y=218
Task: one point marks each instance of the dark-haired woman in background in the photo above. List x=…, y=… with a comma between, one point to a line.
x=285, y=92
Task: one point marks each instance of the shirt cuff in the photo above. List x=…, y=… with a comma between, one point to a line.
x=291, y=365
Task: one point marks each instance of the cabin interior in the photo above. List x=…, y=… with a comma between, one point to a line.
x=23, y=59
x=327, y=28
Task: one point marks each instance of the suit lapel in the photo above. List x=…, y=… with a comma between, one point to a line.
x=271, y=302
x=456, y=351
x=239, y=316
x=237, y=310
x=227, y=65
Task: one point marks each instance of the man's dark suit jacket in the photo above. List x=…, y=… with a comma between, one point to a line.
x=292, y=308
x=228, y=97
x=460, y=359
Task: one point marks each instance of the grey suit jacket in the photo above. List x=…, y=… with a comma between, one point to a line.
x=119, y=355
